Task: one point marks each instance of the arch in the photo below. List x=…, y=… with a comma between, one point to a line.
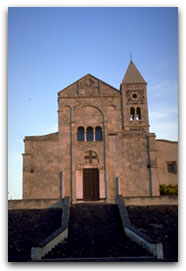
x=66, y=106
x=111, y=107
x=80, y=134
x=138, y=113
x=89, y=134
x=132, y=113
x=77, y=108
x=98, y=133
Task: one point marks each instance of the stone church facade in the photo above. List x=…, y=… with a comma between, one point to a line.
x=103, y=146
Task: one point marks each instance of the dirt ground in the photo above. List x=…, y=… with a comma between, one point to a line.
x=160, y=223
x=26, y=228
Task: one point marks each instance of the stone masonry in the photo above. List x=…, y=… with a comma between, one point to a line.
x=100, y=128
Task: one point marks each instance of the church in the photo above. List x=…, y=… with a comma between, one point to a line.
x=103, y=147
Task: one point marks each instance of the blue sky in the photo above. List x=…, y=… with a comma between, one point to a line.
x=50, y=48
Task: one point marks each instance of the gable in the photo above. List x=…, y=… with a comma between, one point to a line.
x=89, y=86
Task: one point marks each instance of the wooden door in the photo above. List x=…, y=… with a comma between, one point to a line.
x=90, y=184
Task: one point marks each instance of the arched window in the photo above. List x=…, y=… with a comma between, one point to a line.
x=89, y=134
x=138, y=113
x=132, y=113
x=98, y=133
x=80, y=134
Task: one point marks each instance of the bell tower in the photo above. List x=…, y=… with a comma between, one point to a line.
x=134, y=100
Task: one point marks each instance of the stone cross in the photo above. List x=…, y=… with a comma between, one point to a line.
x=90, y=157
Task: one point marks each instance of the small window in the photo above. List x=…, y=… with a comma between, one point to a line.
x=98, y=133
x=171, y=167
x=132, y=113
x=89, y=134
x=138, y=115
x=134, y=95
x=80, y=134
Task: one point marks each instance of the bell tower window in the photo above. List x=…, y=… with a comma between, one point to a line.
x=132, y=113
x=138, y=113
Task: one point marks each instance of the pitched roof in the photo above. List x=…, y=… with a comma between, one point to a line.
x=132, y=75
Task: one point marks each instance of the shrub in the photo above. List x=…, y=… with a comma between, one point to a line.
x=168, y=189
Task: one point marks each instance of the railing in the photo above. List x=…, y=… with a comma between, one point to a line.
x=56, y=237
x=142, y=239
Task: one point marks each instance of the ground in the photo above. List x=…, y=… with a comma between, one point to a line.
x=160, y=223
x=26, y=228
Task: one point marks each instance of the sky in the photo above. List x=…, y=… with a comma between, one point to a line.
x=50, y=48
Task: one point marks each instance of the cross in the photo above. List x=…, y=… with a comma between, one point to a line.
x=130, y=57
x=90, y=157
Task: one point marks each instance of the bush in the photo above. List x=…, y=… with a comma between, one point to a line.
x=168, y=189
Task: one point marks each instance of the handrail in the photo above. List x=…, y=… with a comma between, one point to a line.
x=56, y=237
x=134, y=234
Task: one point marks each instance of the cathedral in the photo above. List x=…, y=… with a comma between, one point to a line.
x=103, y=147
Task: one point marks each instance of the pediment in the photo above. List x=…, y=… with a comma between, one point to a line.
x=89, y=86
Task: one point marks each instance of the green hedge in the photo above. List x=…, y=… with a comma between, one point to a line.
x=168, y=189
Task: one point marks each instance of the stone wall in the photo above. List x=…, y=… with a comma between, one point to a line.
x=41, y=167
x=56, y=203
x=138, y=175
x=129, y=154
x=140, y=92
x=167, y=151
x=147, y=201
x=34, y=204
x=91, y=103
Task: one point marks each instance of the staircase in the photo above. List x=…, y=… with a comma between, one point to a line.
x=95, y=231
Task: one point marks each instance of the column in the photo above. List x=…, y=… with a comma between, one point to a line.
x=79, y=184
x=94, y=134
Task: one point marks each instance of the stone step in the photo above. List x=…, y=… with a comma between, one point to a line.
x=96, y=231
x=95, y=249
x=103, y=259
